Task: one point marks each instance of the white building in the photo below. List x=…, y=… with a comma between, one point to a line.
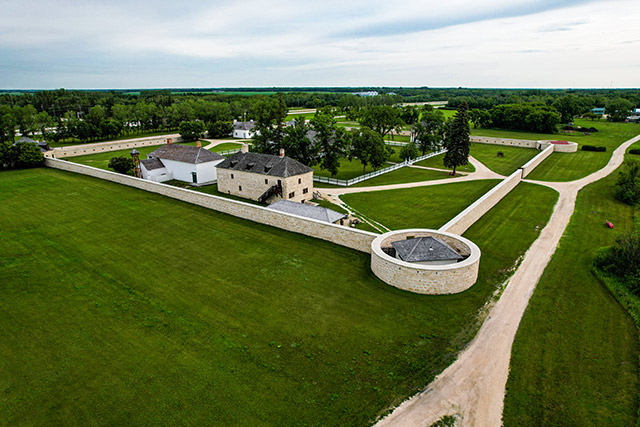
x=243, y=130
x=181, y=162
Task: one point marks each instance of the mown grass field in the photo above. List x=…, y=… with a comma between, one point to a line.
x=122, y=307
x=74, y=141
x=575, y=357
x=437, y=162
x=514, y=157
x=572, y=166
x=420, y=207
x=403, y=175
x=101, y=160
x=224, y=146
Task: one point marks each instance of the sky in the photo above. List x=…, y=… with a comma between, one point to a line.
x=100, y=44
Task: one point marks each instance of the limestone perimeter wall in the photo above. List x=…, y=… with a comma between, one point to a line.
x=504, y=141
x=533, y=163
x=349, y=237
x=426, y=279
x=474, y=212
x=99, y=147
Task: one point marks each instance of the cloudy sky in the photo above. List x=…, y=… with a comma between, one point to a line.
x=437, y=43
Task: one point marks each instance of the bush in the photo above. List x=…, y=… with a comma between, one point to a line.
x=21, y=155
x=593, y=148
x=191, y=131
x=622, y=260
x=121, y=164
x=628, y=183
x=634, y=151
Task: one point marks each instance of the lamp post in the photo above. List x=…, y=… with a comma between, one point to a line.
x=135, y=154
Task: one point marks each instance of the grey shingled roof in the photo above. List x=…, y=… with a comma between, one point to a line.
x=244, y=125
x=42, y=144
x=307, y=211
x=265, y=164
x=151, y=164
x=425, y=249
x=185, y=154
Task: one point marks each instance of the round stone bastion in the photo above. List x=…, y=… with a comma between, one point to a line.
x=422, y=278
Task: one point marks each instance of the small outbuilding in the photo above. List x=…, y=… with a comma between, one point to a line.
x=427, y=250
x=44, y=147
x=182, y=162
x=309, y=211
x=244, y=130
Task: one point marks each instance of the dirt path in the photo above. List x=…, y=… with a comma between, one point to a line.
x=473, y=386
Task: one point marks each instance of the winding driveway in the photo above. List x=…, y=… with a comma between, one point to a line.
x=473, y=387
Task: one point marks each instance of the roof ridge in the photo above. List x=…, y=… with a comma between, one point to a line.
x=415, y=245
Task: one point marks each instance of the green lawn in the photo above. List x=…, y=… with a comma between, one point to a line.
x=398, y=138
x=403, y=175
x=514, y=157
x=572, y=166
x=420, y=207
x=101, y=160
x=327, y=204
x=348, y=169
x=436, y=162
x=121, y=307
x=575, y=357
x=74, y=141
x=225, y=146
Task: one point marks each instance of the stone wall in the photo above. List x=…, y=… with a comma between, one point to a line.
x=99, y=147
x=526, y=143
x=533, y=163
x=344, y=236
x=470, y=215
x=426, y=279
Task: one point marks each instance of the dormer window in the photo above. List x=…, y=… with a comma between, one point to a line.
x=233, y=163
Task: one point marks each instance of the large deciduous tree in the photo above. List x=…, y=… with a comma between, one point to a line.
x=428, y=133
x=330, y=141
x=457, y=140
x=568, y=106
x=382, y=119
x=369, y=147
x=190, y=131
x=618, y=109
x=298, y=145
x=269, y=115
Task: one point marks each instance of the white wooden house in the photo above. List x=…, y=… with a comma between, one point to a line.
x=181, y=162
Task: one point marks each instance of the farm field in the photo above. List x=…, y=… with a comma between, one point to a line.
x=158, y=328
x=514, y=157
x=575, y=356
x=420, y=207
x=101, y=160
x=569, y=167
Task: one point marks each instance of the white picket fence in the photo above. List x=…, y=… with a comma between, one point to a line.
x=227, y=152
x=395, y=143
x=349, y=182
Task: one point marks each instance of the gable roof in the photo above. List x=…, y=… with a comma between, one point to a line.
x=184, y=154
x=42, y=144
x=151, y=164
x=308, y=211
x=244, y=125
x=265, y=164
x=425, y=249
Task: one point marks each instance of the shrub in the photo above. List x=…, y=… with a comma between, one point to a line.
x=121, y=164
x=622, y=260
x=21, y=155
x=593, y=148
x=628, y=183
x=634, y=151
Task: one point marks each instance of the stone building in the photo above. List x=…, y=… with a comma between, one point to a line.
x=265, y=178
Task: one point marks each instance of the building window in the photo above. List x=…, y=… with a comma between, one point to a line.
x=231, y=176
x=291, y=195
x=305, y=191
x=239, y=187
x=299, y=181
x=266, y=181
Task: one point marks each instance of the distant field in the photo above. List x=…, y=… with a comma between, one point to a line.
x=123, y=307
x=420, y=207
x=572, y=166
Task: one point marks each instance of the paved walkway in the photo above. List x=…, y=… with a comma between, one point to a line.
x=473, y=387
x=214, y=142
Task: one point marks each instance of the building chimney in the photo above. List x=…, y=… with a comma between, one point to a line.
x=245, y=148
x=169, y=140
x=282, y=152
x=198, y=144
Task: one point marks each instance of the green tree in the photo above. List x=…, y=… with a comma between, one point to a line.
x=110, y=128
x=428, y=133
x=618, y=109
x=457, y=140
x=7, y=124
x=330, y=141
x=298, y=145
x=269, y=115
x=27, y=155
x=369, y=147
x=25, y=118
x=220, y=129
x=191, y=131
x=382, y=119
x=568, y=106
x=122, y=164
x=480, y=118
x=409, y=151
x=628, y=183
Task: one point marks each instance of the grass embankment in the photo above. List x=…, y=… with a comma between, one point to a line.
x=572, y=166
x=575, y=357
x=167, y=313
x=101, y=160
x=421, y=207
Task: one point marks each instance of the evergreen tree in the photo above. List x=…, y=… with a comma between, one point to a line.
x=457, y=140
